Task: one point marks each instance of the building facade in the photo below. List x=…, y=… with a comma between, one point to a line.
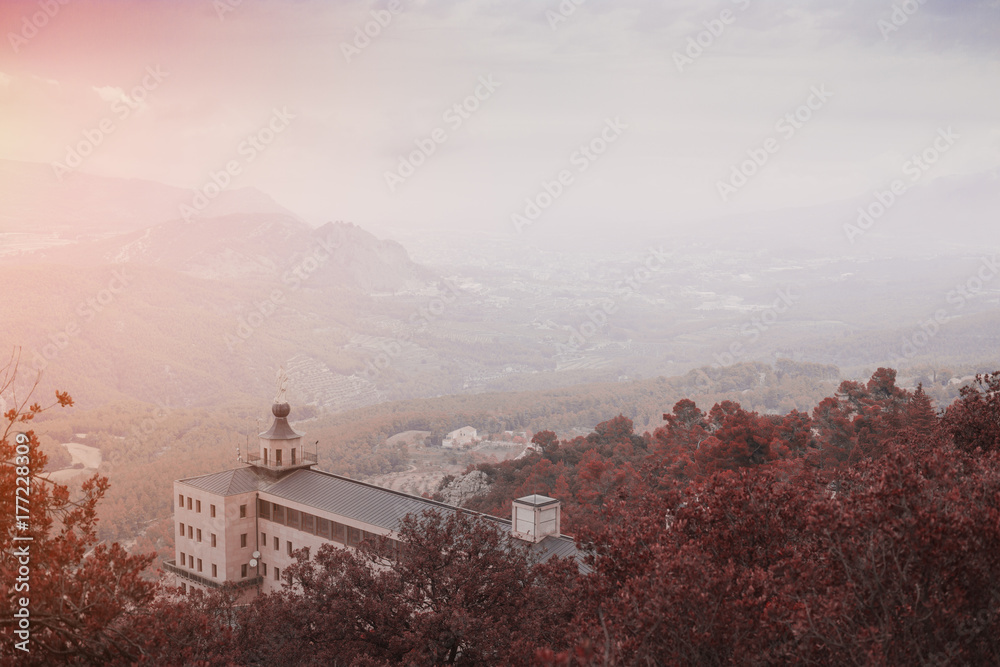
x=241, y=526
x=459, y=437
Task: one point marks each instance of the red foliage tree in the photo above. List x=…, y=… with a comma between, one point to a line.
x=974, y=419
x=767, y=565
x=454, y=590
x=77, y=594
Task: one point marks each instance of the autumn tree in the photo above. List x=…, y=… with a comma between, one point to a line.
x=455, y=589
x=899, y=564
x=973, y=420
x=66, y=597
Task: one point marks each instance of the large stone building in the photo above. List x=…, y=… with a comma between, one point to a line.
x=241, y=525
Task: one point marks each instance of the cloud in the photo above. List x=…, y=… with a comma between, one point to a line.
x=110, y=93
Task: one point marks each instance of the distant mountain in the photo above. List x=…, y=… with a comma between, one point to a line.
x=266, y=246
x=374, y=265
x=82, y=205
x=87, y=220
x=111, y=292
x=955, y=214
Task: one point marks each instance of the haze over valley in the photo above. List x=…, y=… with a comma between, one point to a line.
x=628, y=255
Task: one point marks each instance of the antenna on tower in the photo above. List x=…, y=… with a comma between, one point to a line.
x=248, y=434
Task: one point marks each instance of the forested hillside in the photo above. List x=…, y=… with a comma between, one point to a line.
x=146, y=447
x=865, y=530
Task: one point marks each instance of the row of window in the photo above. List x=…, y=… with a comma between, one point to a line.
x=309, y=523
x=277, y=544
x=193, y=504
x=196, y=564
x=189, y=561
x=194, y=534
x=196, y=506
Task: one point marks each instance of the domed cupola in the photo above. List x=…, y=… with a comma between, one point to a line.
x=281, y=446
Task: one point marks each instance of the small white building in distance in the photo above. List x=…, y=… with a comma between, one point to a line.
x=460, y=436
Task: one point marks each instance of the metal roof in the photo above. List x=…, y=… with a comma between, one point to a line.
x=350, y=498
x=537, y=500
x=227, y=482
x=385, y=508
x=280, y=430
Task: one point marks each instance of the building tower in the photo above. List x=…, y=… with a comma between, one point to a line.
x=280, y=447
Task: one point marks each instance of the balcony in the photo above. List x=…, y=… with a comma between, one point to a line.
x=303, y=460
x=171, y=566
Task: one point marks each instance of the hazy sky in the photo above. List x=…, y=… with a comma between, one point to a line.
x=676, y=116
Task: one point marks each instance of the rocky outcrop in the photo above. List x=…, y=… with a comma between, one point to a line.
x=466, y=486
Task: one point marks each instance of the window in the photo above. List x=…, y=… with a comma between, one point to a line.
x=263, y=569
x=323, y=527
x=353, y=536
x=184, y=587
x=289, y=545
x=278, y=513
x=339, y=531
x=243, y=511
x=277, y=457
x=264, y=509
x=263, y=539
x=182, y=529
x=197, y=506
x=180, y=500
x=199, y=565
x=189, y=502
x=265, y=456
x=199, y=534
x=276, y=547
x=243, y=541
x=291, y=517
x=277, y=572
x=243, y=570
x=309, y=523
x=293, y=456
x=211, y=510
x=215, y=571
x=183, y=559
x=213, y=539
x=190, y=533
